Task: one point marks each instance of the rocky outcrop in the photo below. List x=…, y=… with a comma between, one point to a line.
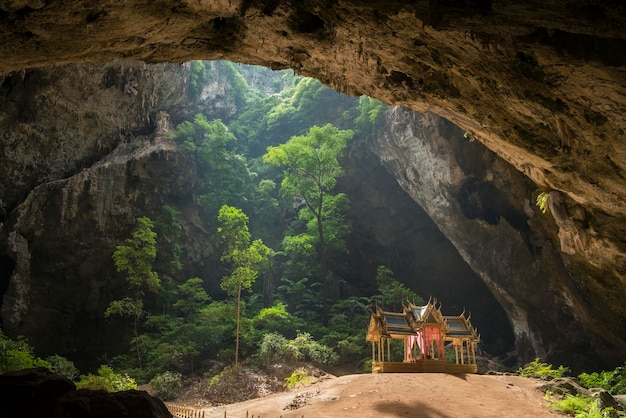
x=389, y=228
x=60, y=290
x=37, y=393
x=87, y=149
x=540, y=86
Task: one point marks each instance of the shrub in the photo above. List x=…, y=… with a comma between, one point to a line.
x=107, y=380
x=613, y=381
x=273, y=348
x=166, y=385
x=312, y=350
x=542, y=370
x=60, y=365
x=17, y=355
x=573, y=405
x=298, y=377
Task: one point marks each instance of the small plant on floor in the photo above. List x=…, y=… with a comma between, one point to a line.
x=584, y=407
x=573, y=405
x=542, y=370
x=60, y=365
x=108, y=380
x=166, y=385
x=298, y=377
x=613, y=381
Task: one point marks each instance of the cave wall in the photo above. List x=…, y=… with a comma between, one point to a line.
x=483, y=206
x=86, y=149
x=388, y=227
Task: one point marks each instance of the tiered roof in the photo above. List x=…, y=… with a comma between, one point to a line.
x=413, y=318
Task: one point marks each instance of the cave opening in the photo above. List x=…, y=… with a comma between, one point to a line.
x=391, y=229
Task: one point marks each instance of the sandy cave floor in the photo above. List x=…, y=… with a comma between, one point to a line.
x=425, y=395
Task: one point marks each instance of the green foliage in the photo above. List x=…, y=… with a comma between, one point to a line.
x=541, y=370
x=393, y=293
x=573, y=405
x=238, y=85
x=199, y=76
x=224, y=174
x=277, y=319
x=613, y=381
x=243, y=256
x=17, y=355
x=584, y=407
x=62, y=366
x=191, y=297
x=298, y=377
x=371, y=112
x=310, y=163
x=306, y=348
x=135, y=259
x=273, y=348
x=542, y=201
x=166, y=385
x=106, y=379
x=169, y=250
x=311, y=166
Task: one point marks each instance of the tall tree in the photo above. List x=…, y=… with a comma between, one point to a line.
x=310, y=168
x=243, y=256
x=392, y=292
x=135, y=259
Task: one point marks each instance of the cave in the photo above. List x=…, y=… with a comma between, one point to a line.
x=542, y=88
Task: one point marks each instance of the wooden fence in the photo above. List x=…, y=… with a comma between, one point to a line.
x=179, y=411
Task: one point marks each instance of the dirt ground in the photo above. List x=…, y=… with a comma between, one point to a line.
x=424, y=395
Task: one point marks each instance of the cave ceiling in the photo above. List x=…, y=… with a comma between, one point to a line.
x=543, y=84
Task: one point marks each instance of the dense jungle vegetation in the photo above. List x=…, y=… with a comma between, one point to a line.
x=267, y=177
x=267, y=194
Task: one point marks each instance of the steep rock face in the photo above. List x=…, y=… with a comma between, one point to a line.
x=482, y=206
x=390, y=228
x=59, y=290
x=84, y=154
x=56, y=122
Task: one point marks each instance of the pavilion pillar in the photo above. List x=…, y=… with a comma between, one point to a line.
x=406, y=349
x=388, y=349
x=462, y=358
x=474, y=351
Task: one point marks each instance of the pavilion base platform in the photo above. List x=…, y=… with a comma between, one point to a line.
x=422, y=366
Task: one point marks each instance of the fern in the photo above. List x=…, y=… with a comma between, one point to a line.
x=542, y=201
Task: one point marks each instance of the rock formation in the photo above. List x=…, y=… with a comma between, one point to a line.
x=37, y=393
x=541, y=85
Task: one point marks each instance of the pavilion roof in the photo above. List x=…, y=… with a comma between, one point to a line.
x=460, y=327
x=414, y=317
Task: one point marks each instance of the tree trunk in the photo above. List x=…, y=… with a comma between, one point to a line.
x=237, y=331
x=136, y=326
